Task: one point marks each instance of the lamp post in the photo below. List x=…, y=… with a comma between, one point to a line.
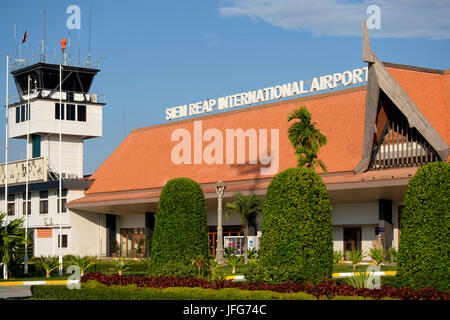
x=220, y=190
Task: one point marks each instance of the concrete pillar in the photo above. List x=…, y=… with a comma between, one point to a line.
x=385, y=222
x=110, y=233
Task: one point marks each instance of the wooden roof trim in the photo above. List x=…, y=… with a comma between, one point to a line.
x=384, y=81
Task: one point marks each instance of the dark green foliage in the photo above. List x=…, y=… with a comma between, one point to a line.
x=93, y=290
x=175, y=269
x=258, y=273
x=296, y=227
x=424, y=249
x=181, y=231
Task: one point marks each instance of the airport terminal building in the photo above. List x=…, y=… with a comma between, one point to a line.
x=379, y=134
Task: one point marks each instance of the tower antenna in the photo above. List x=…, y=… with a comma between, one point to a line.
x=90, y=23
x=45, y=26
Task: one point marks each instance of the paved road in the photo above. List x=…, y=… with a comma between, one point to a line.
x=7, y=292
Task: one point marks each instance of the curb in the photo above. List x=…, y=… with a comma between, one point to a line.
x=37, y=283
x=335, y=275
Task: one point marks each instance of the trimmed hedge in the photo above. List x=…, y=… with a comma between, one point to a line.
x=296, y=241
x=328, y=289
x=424, y=249
x=181, y=231
x=93, y=290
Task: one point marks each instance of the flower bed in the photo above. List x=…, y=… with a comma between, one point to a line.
x=328, y=289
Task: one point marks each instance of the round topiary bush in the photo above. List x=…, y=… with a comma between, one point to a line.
x=296, y=240
x=424, y=248
x=181, y=231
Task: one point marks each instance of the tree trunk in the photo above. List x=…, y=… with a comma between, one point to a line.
x=245, y=243
x=47, y=275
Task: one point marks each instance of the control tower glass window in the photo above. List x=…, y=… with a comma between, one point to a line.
x=22, y=113
x=71, y=112
x=57, y=109
x=81, y=113
x=17, y=114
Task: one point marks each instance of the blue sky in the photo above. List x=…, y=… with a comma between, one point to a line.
x=156, y=54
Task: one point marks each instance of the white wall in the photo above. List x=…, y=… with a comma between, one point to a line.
x=72, y=153
x=42, y=120
x=355, y=214
x=212, y=218
x=367, y=236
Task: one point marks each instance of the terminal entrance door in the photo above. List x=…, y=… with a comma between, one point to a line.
x=132, y=242
x=352, y=241
x=226, y=231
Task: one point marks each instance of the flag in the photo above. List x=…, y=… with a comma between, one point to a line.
x=25, y=36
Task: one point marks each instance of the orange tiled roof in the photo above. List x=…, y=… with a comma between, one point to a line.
x=143, y=160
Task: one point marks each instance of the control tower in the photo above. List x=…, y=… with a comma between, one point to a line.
x=80, y=113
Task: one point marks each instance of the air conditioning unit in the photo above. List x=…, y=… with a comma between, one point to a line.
x=48, y=221
x=72, y=176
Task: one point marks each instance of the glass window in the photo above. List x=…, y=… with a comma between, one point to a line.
x=11, y=205
x=36, y=145
x=57, y=109
x=22, y=113
x=81, y=113
x=24, y=203
x=17, y=114
x=70, y=112
x=43, y=202
x=64, y=241
x=63, y=199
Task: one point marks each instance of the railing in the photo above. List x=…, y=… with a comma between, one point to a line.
x=19, y=63
x=67, y=96
x=401, y=146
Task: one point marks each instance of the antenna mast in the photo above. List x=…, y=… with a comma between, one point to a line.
x=45, y=26
x=88, y=62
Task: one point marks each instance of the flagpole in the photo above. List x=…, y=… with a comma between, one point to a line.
x=27, y=117
x=5, y=267
x=60, y=173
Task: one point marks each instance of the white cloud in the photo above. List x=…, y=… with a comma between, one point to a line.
x=399, y=18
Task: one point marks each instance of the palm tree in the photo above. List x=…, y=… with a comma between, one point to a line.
x=306, y=139
x=247, y=207
x=48, y=264
x=12, y=240
x=82, y=262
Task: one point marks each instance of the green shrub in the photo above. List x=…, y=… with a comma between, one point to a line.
x=424, y=249
x=181, y=231
x=392, y=254
x=93, y=290
x=377, y=255
x=274, y=274
x=175, y=269
x=296, y=226
x=337, y=256
x=356, y=256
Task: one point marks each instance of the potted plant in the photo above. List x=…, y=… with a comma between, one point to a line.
x=114, y=248
x=140, y=252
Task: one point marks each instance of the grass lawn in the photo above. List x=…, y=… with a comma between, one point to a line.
x=93, y=290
